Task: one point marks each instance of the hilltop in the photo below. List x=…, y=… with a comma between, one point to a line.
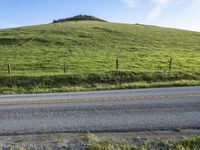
x=80, y=18
x=89, y=50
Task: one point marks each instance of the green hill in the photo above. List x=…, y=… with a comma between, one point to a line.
x=90, y=48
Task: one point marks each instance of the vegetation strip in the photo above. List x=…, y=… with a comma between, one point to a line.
x=95, y=142
x=98, y=99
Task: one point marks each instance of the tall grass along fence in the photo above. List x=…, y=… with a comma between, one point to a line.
x=115, y=75
x=112, y=77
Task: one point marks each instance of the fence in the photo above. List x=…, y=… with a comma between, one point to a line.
x=41, y=69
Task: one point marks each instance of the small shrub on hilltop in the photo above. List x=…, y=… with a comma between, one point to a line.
x=79, y=18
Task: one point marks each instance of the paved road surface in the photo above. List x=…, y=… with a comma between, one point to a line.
x=105, y=111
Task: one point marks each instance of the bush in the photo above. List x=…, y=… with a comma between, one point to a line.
x=79, y=18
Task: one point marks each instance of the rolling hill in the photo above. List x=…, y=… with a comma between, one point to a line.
x=89, y=50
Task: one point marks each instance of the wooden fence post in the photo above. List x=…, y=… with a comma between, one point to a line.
x=65, y=65
x=9, y=69
x=170, y=64
x=117, y=64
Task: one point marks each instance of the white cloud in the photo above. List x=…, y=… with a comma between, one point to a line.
x=160, y=5
x=160, y=2
x=130, y=3
x=179, y=2
x=189, y=11
x=155, y=13
x=196, y=4
x=7, y=24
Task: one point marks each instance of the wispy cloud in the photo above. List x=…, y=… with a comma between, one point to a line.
x=179, y=2
x=6, y=24
x=155, y=13
x=160, y=5
x=196, y=4
x=160, y=2
x=129, y=3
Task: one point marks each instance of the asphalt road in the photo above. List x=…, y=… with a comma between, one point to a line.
x=105, y=111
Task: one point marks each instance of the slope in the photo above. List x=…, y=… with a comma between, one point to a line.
x=91, y=47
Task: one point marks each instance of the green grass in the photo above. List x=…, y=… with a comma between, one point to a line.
x=91, y=47
x=93, y=142
x=45, y=85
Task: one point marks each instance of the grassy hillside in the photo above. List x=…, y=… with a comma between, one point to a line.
x=90, y=48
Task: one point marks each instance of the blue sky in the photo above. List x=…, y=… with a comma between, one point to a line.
x=184, y=14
